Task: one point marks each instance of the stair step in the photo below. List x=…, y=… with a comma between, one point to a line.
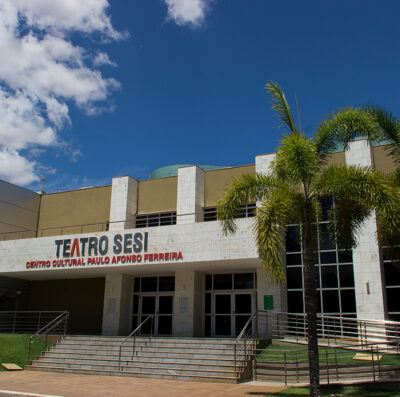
x=198, y=378
x=169, y=358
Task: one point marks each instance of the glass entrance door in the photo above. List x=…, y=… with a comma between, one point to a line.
x=153, y=295
x=231, y=312
x=162, y=308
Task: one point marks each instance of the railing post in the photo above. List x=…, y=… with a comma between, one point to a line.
x=285, y=369
x=373, y=364
x=66, y=324
x=234, y=358
x=119, y=358
x=378, y=361
x=29, y=350
x=15, y=319
x=327, y=363
x=336, y=364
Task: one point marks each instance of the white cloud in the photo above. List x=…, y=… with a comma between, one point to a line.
x=42, y=70
x=15, y=168
x=187, y=12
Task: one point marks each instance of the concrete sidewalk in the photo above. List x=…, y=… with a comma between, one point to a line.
x=71, y=385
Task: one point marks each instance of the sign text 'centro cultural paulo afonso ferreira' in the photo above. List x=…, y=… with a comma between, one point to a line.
x=128, y=248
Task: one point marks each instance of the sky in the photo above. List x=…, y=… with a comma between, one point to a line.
x=94, y=89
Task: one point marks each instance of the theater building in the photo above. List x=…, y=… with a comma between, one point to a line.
x=112, y=255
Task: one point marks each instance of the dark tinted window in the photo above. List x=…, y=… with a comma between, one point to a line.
x=149, y=284
x=294, y=277
x=292, y=239
x=243, y=281
x=222, y=281
x=166, y=283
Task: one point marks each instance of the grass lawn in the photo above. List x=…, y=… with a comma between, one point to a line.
x=14, y=349
x=274, y=352
x=355, y=391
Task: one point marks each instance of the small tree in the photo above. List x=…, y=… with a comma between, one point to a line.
x=298, y=178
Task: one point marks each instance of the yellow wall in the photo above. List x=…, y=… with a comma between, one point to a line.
x=77, y=207
x=217, y=181
x=83, y=298
x=384, y=161
x=157, y=195
x=335, y=159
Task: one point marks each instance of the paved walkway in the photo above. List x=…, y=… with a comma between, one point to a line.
x=71, y=385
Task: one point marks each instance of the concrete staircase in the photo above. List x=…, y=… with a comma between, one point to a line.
x=192, y=359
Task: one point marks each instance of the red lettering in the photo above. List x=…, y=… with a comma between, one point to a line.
x=174, y=255
x=75, y=246
x=180, y=255
x=139, y=258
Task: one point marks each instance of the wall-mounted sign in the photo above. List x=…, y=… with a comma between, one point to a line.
x=128, y=248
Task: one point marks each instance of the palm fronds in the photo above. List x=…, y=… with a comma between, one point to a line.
x=344, y=126
x=389, y=124
x=280, y=105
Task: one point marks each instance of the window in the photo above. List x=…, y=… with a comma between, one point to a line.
x=246, y=211
x=333, y=268
x=152, y=220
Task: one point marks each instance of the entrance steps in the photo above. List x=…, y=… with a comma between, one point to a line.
x=194, y=359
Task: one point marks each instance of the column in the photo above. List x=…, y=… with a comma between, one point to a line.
x=366, y=256
x=123, y=203
x=263, y=163
x=266, y=290
x=116, y=311
x=191, y=185
x=188, y=303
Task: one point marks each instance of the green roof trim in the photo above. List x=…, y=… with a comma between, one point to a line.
x=172, y=170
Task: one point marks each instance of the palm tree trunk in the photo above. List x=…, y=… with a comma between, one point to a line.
x=310, y=298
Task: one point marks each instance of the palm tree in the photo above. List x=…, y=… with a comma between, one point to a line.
x=298, y=179
x=390, y=129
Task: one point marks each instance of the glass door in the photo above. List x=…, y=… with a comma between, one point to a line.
x=243, y=310
x=162, y=308
x=231, y=312
x=223, y=315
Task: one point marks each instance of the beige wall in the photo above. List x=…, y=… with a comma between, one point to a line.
x=18, y=212
x=335, y=159
x=83, y=298
x=384, y=161
x=157, y=195
x=76, y=207
x=217, y=181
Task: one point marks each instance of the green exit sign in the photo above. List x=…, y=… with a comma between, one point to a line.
x=268, y=302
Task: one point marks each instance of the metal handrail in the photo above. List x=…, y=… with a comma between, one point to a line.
x=294, y=362
x=243, y=335
x=39, y=232
x=25, y=321
x=337, y=330
x=134, y=334
x=62, y=318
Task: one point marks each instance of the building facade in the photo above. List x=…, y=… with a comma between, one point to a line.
x=112, y=255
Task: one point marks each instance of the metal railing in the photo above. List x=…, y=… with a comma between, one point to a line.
x=333, y=332
x=336, y=330
x=244, y=346
x=374, y=362
x=133, y=335
x=25, y=322
x=57, y=326
x=57, y=230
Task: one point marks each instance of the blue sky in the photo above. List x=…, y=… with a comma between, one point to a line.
x=181, y=81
